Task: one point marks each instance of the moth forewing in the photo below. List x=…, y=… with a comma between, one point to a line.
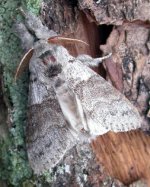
x=105, y=107
x=48, y=134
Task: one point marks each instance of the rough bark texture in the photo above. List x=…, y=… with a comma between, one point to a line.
x=3, y=109
x=79, y=168
x=116, y=12
x=129, y=44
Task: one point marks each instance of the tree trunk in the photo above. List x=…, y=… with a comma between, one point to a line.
x=107, y=26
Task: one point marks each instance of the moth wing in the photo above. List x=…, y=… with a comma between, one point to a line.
x=48, y=135
x=105, y=108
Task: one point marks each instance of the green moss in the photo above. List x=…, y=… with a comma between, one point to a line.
x=47, y=177
x=28, y=183
x=13, y=158
x=33, y=6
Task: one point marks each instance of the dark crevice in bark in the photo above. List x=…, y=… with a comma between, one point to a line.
x=3, y=111
x=104, y=31
x=73, y=3
x=96, y=35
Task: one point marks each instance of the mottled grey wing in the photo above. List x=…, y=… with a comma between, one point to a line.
x=48, y=136
x=105, y=108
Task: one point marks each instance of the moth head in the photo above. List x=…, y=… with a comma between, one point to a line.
x=44, y=58
x=53, y=67
x=48, y=61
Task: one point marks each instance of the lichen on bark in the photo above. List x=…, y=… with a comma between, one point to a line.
x=13, y=159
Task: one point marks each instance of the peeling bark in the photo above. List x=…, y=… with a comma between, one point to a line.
x=130, y=53
x=116, y=11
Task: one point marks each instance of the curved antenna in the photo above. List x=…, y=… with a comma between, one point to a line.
x=56, y=39
x=23, y=63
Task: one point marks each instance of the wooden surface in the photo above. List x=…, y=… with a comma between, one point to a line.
x=126, y=156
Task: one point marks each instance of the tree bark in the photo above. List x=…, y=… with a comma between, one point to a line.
x=108, y=26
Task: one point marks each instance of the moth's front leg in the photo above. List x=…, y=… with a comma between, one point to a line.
x=92, y=62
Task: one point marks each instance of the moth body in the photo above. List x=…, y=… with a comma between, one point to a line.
x=51, y=131
x=68, y=102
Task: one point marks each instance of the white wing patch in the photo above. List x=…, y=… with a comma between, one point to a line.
x=71, y=109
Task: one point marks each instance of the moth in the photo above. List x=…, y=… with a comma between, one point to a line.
x=68, y=102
